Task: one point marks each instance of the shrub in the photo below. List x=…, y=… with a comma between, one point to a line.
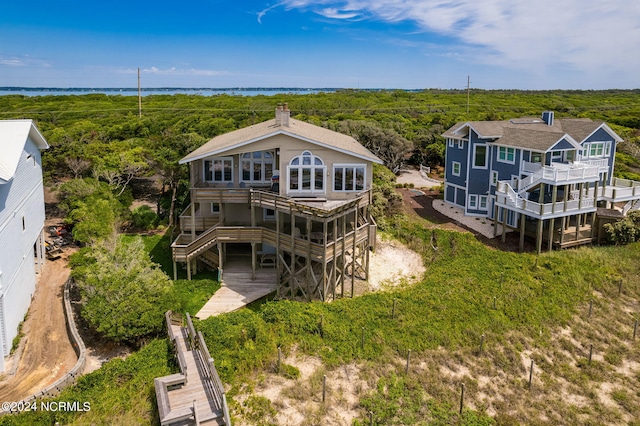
x=124, y=293
x=626, y=230
x=144, y=217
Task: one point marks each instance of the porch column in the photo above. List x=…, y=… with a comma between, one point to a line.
x=522, y=229
x=578, y=217
x=335, y=258
x=495, y=222
x=551, y=224
x=310, y=283
x=503, y=237
x=566, y=196
x=554, y=198
x=353, y=253
x=175, y=271
x=188, y=269
x=323, y=273
x=343, y=254
x=564, y=227
x=593, y=225
x=193, y=214
x=253, y=244
x=539, y=236
x=293, y=252
x=580, y=196
x=278, y=273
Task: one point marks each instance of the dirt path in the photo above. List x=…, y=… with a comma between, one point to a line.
x=45, y=351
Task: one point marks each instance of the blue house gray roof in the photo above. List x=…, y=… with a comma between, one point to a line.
x=529, y=132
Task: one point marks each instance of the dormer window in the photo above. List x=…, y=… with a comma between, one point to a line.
x=306, y=174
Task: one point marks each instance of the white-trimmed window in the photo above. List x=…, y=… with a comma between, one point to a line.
x=536, y=157
x=455, y=168
x=480, y=156
x=556, y=156
x=257, y=166
x=484, y=203
x=450, y=143
x=306, y=174
x=349, y=177
x=460, y=144
x=215, y=208
x=596, y=149
x=473, y=202
x=494, y=177
x=506, y=155
x=218, y=169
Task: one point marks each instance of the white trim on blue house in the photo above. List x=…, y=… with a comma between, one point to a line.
x=486, y=157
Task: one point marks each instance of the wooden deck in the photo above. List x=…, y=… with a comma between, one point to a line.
x=238, y=289
x=195, y=395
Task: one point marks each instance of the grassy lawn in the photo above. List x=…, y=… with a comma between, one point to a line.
x=522, y=307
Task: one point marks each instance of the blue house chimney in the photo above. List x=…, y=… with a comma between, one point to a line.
x=547, y=117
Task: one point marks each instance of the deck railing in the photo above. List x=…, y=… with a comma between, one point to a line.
x=620, y=190
x=506, y=196
x=184, y=249
x=558, y=173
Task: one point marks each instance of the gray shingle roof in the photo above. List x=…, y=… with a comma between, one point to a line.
x=529, y=132
x=297, y=129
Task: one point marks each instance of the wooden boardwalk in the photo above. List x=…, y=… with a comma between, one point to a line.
x=238, y=289
x=194, y=396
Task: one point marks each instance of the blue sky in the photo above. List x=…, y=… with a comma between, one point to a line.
x=408, y=44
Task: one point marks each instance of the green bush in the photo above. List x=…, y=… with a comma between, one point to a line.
x=124, y=293
x=626, y=230
x=144, y=218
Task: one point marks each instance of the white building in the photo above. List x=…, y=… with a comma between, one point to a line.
x=21, y=223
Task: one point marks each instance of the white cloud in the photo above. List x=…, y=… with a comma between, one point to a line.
x=584, y=35
x=22, y=61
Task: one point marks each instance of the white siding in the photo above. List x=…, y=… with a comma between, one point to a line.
x=21, y=223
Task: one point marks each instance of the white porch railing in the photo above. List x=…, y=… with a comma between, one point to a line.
x=603, y=164
x=528, y=167
x=620, y=190
x=508, y=197
x=558, y=173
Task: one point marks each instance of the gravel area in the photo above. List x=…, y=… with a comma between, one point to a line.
x=418, y=179
x=482, y=225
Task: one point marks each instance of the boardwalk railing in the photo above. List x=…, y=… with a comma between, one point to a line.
x=196, y=340
x=205, y=399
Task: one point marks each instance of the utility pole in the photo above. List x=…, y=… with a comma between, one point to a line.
x=140, y=97
x=468, y=91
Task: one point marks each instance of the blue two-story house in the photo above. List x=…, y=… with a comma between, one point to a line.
x=548, y=178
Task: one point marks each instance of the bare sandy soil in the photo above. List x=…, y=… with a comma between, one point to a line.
x=45, y=353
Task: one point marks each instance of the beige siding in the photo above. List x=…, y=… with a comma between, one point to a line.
x=289, y=148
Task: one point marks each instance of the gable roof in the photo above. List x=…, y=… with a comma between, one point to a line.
x=532, y=133
x=13, y=136
x=295, y=128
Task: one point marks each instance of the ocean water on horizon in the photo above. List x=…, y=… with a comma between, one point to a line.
x=49, y=91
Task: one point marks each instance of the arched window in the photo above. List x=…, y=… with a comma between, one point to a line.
x=306, y=174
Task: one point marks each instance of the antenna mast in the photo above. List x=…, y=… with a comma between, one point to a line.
x=140, y=97
x=468, y=91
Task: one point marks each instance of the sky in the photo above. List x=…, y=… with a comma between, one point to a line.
x=403, y=44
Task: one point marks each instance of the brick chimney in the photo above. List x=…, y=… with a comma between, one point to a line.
x=282, y=115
